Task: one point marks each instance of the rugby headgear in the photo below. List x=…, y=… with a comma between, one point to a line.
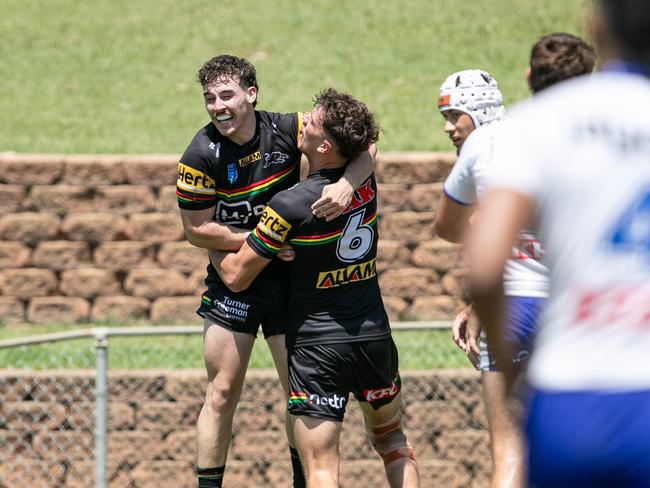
x=474, y=92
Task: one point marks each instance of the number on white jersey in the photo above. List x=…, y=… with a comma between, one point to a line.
x=632, y=230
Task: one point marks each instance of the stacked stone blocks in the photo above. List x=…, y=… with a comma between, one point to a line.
x=99, y=238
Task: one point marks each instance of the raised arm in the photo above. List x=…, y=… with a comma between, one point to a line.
x=337, y=196
x=202, y=231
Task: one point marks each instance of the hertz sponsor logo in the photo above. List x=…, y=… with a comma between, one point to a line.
x=194, y=179
x=272, y=224
x=250, y=159
x=343, y=276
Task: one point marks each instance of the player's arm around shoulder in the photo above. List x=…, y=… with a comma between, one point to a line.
x=337, y=196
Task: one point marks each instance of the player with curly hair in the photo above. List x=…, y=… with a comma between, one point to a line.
x=339, y=338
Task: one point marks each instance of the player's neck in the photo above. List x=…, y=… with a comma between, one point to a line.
x=318, y=162
x=247, y=131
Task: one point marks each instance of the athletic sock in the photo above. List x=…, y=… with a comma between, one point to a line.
x=298, y=475
x=210, y=477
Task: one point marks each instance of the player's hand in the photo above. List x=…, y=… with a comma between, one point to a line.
x=334, y=200
x=286, y=253
x=458, y=329
x=472, y=334
x=465, y=334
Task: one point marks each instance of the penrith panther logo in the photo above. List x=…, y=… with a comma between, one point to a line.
x=276, y=157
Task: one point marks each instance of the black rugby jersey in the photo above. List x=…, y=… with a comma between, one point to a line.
x=240, y=180
x=334, y=294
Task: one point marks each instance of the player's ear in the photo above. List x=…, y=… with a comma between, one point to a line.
x=325, y=147
x=528, y=73
x=251, y=94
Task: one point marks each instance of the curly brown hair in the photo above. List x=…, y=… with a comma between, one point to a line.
x=225, y=67
x=348, y=121
x=557, y=57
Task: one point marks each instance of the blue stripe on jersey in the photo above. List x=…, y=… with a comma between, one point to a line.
x=456, y=200
x=589, y=439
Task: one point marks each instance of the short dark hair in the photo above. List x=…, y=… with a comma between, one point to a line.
x=557, y=57
x=348, y=121
x=628, y=22
x=225, y=67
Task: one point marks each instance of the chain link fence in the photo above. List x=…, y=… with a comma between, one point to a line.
x=117, y=407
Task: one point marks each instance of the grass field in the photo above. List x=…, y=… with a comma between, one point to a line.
x=115, y=76
x=417, y=349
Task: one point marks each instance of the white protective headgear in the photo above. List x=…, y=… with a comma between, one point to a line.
x=474, y=92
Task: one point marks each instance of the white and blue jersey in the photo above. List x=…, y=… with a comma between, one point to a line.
x=526, y=277
x=581, y=152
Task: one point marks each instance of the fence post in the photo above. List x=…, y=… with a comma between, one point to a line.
x=101, y=405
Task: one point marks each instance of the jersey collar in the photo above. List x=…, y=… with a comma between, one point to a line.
x=625, y=66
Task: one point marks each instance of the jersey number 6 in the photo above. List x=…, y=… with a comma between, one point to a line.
x=356, y=240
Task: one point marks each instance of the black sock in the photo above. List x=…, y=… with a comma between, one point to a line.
x=210, y=477
x=298, y=475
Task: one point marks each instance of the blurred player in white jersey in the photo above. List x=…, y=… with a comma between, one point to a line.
x=576, y=159
x=472, y=105
x=554, y=57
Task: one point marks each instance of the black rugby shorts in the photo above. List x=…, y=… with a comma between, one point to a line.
x=321, y=377
x=264, y=303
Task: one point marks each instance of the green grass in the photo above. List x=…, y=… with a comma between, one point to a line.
x=117, y=76
x=417, y=350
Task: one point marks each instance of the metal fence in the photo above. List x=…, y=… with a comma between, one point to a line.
x=83, y=419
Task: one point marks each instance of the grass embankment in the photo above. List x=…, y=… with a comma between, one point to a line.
x=116, y=76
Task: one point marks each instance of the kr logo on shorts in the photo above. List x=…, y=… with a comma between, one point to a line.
x=380, y=393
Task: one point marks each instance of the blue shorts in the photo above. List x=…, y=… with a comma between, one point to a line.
x=522, y=314
x=589, y=439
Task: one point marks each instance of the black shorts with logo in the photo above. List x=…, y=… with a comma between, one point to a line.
x=264, y=303
x=322, y=376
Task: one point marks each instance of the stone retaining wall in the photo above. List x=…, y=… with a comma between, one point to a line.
x=93, y=238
